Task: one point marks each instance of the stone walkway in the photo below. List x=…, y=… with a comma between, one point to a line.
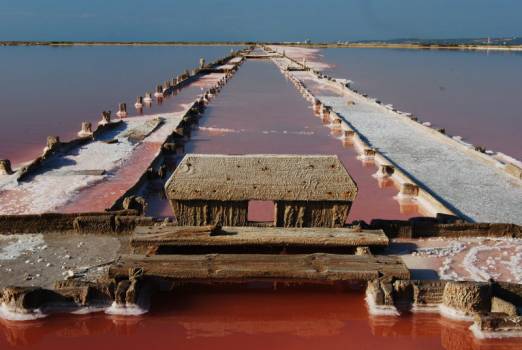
x=470, y=185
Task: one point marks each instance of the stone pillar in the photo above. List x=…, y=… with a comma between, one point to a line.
x=106, y=118
x=86, y=130
x=122, y=110
x=5, y=167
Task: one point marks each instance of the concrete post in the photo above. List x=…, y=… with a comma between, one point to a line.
x=86, y=130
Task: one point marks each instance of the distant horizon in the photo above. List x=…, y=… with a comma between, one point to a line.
x=260, y=21
x=512, y=37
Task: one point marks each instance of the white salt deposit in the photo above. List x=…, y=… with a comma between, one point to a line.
x=15, y=245
x=453, y=314
x=477, y=259
x=215, y=129
x=380, y=310
x=9, y=314
x=480, y=334
x=126, y=310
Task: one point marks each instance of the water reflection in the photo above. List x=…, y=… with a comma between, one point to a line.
x=330, y=317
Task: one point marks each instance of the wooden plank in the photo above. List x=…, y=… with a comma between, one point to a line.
x=191, y=236
x=252, y=267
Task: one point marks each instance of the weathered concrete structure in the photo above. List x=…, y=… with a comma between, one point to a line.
x=307, y=191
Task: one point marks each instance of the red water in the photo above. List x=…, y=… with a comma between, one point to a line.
x=312, y=318
x=259, y=111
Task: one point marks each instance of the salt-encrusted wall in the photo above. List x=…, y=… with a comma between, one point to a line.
x=311, y=214
x=201, y=212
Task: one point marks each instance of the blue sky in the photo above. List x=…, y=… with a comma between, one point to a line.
x=318, y=20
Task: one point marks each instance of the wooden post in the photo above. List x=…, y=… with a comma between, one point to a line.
x=159, y=91
x=385, y=170
x=122, y=110
x=52, y=142
x=106, y=118
x=325, y=112
x=86, y=130
x=368, y=154
x=409, y=190
x=139, y=102
x=317, y=106
x=348, y=134
x=5, y=167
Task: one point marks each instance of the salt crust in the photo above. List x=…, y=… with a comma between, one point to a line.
x=480, y=334
x=18, y=244
x=380, y=310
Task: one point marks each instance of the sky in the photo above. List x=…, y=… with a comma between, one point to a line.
x=257, y=20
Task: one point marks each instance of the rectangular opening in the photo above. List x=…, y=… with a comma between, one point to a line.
x=261, y=211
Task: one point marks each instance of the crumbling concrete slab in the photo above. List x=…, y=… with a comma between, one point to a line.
x=41, y=260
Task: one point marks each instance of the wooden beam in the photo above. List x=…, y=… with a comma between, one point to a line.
x=317, y=267
x=146, y=238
